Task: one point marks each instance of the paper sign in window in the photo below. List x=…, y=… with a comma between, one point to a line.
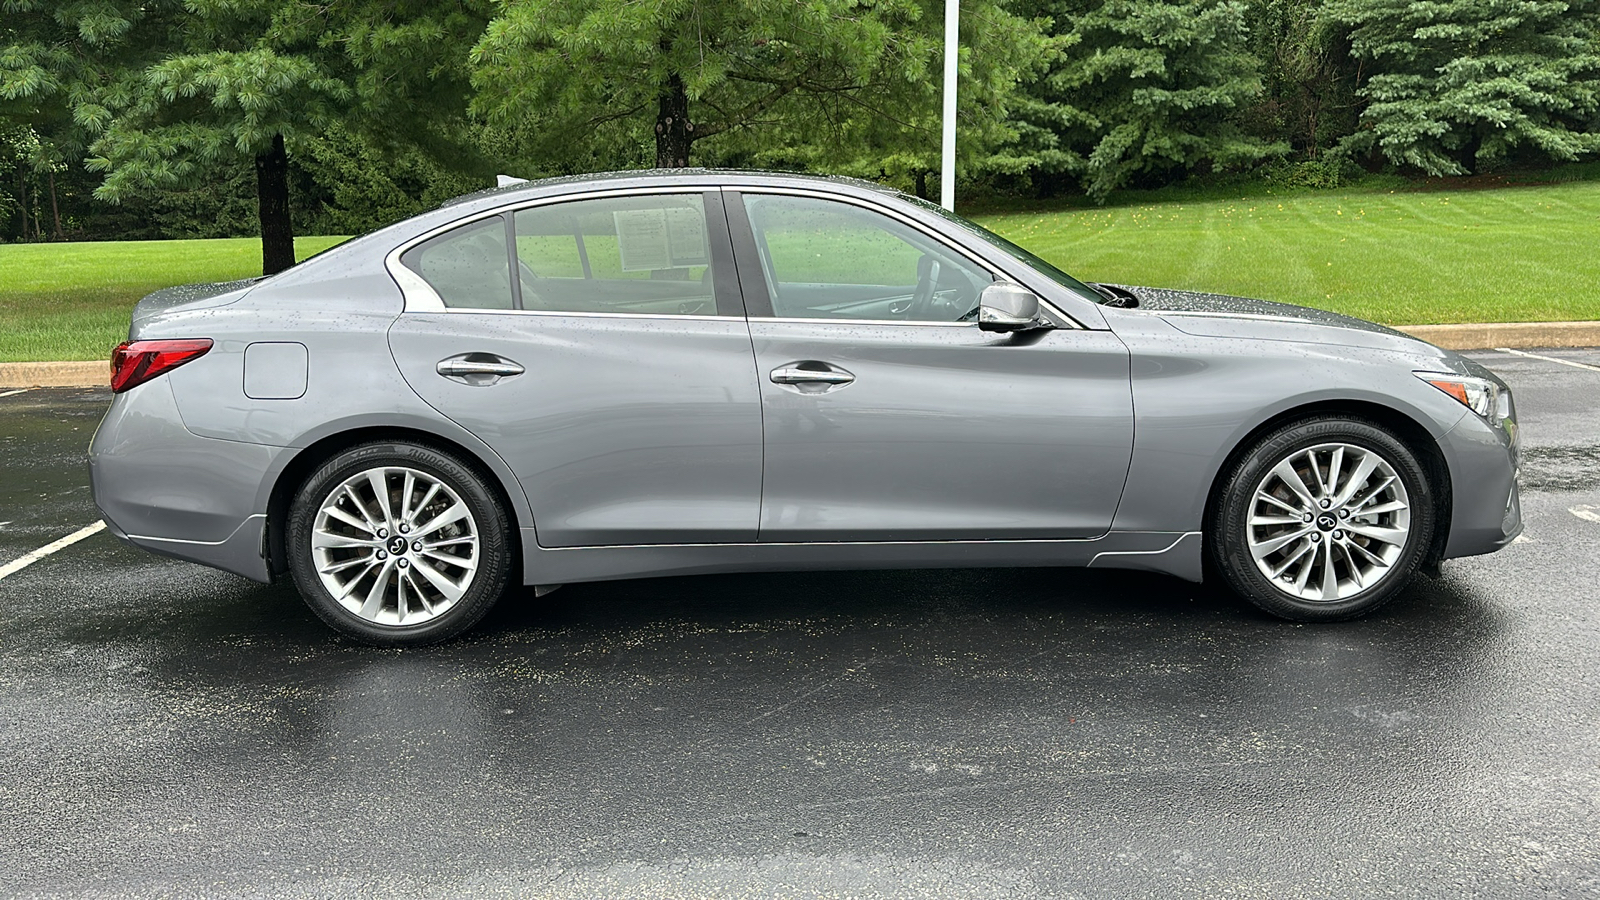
x=660, y=238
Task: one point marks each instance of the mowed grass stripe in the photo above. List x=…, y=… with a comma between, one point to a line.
x=1425, y=257
x=1517, y=254
x=72, y=301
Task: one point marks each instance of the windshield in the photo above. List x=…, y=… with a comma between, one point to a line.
x=1040, y=264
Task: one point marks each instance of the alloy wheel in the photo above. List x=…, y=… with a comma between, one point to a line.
x=1328, y=522
x=395, y=545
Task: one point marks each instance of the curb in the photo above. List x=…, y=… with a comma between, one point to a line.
x=54, y=374
x=1513, y=335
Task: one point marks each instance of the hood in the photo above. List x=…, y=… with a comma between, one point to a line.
x=1219, y=315
x=190, y=296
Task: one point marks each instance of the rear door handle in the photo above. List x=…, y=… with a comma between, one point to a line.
x=794, y=374
x=478, y=368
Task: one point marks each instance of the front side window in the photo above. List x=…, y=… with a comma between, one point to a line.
x=644, y=255
x=468, y=267
x=824, y=259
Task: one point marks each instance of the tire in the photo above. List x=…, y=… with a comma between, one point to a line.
x=439, y=577
x=1355, y=553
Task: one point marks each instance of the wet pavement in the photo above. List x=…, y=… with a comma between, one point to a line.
x=170, y=730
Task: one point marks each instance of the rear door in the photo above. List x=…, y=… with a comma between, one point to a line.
x=889, y=415
x=600, y=347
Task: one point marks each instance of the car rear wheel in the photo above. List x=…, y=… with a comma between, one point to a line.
x=398, y=544
x=1323, y=520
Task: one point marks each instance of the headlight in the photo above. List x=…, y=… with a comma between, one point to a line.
x=1480, y=395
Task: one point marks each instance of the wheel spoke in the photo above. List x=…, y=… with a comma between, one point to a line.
x=1330, y=581
x=422, y=504
x=361, y=507
x=327, y=540
x=410, y=486
x=379, y=480
x=455, y=513
x=456, y=561
x=1391, y=506
x=1291, y=479
x=1364, y=470
x=334, y=512
x=1275, y=520
x=343, y=565
x=1372, y=494
x=1375, y=558
x=1395, y=536
x=420, y=594
x=449, y=542
x=349, y=587
x=1263, y=495
x=1335, y=463
x=1272, y=545
x=380, y=584
x=448, y=588
x=1350, y=563
x=1304, y=575
x=1304, y=548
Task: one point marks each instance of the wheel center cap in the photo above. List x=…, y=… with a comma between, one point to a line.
x=397, y=545
x=1324, y=522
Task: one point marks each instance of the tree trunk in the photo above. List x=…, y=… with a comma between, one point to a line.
x=922, y=183
x=55, y=209
x=272, y=205
x=674, y=131
x=22, y=203
x=1467, y=154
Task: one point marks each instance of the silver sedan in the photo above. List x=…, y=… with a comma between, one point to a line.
x=661, y=373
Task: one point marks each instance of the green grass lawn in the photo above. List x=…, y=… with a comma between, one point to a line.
x=1525, y=254
x=72, y=301
x=1399, y=257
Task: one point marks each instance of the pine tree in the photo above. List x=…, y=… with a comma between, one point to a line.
x=1454, y=86
x=1137, y=88
x=828, y=82
x=165, y=91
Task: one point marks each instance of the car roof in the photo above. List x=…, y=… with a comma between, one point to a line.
x=658, y=177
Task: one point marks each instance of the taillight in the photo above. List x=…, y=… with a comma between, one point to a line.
x=135, y=362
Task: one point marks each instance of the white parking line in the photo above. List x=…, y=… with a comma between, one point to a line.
x=1564, y=362
x=23, y=562
x=17, y=391
x=1586, y=512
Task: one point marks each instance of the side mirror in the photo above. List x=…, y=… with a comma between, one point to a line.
x=1004, y=306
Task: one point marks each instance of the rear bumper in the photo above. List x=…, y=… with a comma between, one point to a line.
x=166, y=490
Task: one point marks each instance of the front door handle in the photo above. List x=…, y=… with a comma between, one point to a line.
x=797, y=375
x=811, y=375
x=478, y=368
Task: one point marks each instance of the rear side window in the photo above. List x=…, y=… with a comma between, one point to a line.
x=469, y=267
x=648, y=255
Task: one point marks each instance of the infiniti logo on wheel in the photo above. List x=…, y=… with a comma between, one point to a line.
x=397, y=545
x=1323, y=522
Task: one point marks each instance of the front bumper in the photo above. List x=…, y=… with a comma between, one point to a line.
x=1486, y=512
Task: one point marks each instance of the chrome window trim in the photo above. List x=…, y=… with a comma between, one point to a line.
x=996, y=272
x=677, y=317
x=899, y=323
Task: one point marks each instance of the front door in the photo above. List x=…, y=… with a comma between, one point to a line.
x=890, y=416
x=600, y=347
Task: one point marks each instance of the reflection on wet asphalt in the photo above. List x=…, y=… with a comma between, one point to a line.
x=172, y=730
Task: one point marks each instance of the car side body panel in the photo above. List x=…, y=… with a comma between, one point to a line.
x=187, y=464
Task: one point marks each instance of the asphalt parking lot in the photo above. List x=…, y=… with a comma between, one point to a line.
x=168, y=730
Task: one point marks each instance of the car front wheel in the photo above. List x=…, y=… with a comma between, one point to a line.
x=1323, y=520
x=398, y=544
